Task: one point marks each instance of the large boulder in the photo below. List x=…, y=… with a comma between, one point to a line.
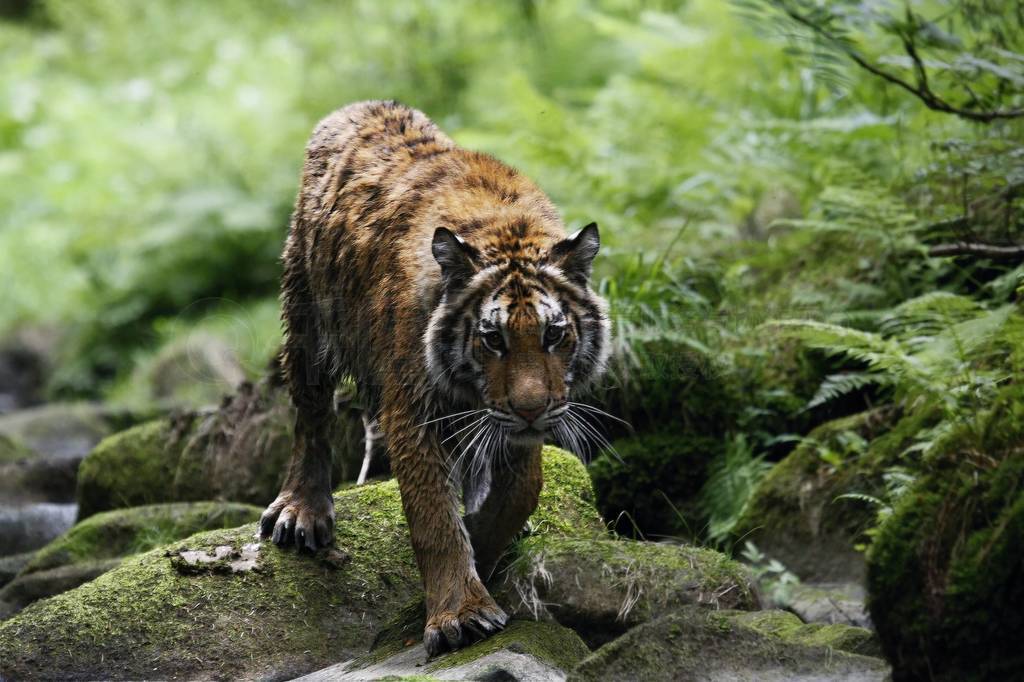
x=946, y=570
x=700, y=644
x=221, y=604
x=236, y=452
x=797, y=514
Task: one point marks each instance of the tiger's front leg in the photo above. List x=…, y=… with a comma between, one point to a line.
x=494, y=517
x=459, y=608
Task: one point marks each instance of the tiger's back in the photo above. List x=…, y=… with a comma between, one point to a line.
x=379, y=178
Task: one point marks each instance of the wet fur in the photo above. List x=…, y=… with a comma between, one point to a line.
x=373, y=289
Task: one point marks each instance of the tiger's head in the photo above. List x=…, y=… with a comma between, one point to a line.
x=517, y=338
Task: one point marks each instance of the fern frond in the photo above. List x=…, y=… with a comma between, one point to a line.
x=837, y=385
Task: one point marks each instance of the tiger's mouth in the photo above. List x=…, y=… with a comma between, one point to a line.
x=519, y=431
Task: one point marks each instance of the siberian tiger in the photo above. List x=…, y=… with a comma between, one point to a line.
x=443, y=282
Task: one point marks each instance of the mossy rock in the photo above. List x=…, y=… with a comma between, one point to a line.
x=97, y=544
x=603, y=587
x=795, y=514
x=789, y=627
x=197, y=370
x=653, y=489
x=220, y=605
x=698, y=644
x=946, y=573
x=237, y=452
x=133, y=530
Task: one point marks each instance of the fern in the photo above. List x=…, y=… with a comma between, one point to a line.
x=938, y=349
x=732, y=477
x=838, y=385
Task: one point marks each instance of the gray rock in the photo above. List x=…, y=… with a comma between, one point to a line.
x=525, y=651
x=27, y=527
x=41, y=448
x=829, y=603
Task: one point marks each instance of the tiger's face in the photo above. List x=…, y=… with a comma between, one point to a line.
x=517, y=340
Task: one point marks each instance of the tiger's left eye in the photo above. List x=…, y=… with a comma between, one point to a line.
x=553, y=335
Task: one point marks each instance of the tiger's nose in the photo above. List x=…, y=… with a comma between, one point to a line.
x=529, y=414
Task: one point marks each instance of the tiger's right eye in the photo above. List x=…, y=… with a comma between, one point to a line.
x=493, y=340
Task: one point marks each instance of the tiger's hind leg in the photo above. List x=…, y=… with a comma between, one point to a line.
x=495, y=516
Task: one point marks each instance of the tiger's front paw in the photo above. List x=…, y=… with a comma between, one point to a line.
x=300, y=517
x=476, y=617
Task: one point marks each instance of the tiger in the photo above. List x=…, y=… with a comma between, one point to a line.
x=443, y=282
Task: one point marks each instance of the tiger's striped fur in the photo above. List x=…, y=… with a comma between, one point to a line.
x=443, y=282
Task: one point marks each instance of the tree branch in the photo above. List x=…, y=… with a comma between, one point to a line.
x=922, y=90
x=993, y=251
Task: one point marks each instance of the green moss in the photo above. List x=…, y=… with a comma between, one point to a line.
x=128, y=469
x=551, y=643
x=945, y=580
x=292, y=614
x=788, y=627
x=794, y=514
x=654, y=488
x=566, y=504
x=11, y=450
x=122, y=532
x=602, y=587
x=237, y=452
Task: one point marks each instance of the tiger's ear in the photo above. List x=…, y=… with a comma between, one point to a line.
x=575, y=255
x=458, y=260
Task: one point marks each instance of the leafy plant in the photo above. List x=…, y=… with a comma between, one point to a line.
x=732, y=477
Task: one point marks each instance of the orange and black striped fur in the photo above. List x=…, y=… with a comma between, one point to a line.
x=442, y=280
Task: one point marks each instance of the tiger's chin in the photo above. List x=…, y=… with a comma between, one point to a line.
x=527, y=437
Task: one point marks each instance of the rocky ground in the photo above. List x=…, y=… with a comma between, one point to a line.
x=129, y=551
x=157, y=581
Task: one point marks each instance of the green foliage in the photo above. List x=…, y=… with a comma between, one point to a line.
x=962, y=57
x=732, y=478
x=770, y=574
x=944, y=569
x=652, y=490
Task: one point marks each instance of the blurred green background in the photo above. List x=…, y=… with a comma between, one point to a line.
x=740, y=171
